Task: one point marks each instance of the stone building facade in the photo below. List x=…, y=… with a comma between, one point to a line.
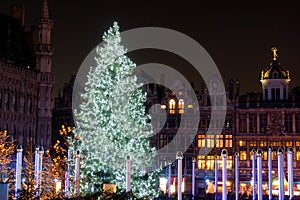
x=26, y=80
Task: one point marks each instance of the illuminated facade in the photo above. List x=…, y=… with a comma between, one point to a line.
x=253, y=120
x=26, y=78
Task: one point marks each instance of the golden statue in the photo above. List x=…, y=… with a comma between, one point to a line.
x=275, y=56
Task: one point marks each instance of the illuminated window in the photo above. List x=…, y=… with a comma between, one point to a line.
x=274, y=153
x=201, y=141
x=201, y=162
x=297, y=144
x=228, y=140
x=265, y=155
x=252, y=143
x=243, y=155
x=219, y=141
x=298, y=155
x=181, y=106
x=289, y=143
x=210, y=142
x=172, y=104
x=263, y=143
x=242, y=143
x=276, y=143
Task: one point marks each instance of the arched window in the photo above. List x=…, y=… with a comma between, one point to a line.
x=181, y=106
x=172, y=105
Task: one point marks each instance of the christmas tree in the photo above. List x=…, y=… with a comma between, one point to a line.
x=112, y=123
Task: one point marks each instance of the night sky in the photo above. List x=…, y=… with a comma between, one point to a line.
x=237, y=34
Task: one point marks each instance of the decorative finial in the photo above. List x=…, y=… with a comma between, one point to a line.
x=45, y=11
x=275, y=56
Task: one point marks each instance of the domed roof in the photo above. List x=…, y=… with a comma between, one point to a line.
x=275, y=70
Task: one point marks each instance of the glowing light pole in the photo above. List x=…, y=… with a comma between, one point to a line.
x=259, y=174
x=40, y=163
x=290, y=173
x=270, y=171
x=169, y=179
x=67, y=174
x=216, y=176
x=18, y=169
x=253, y=172
x=236, y=176
x=36, y=167
x=224, y=174
x=179, y=157
x=280, y=174
x=193, y=177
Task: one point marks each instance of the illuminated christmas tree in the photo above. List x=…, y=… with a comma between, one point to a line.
x=112, y=123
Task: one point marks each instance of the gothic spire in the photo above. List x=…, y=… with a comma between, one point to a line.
x=45, y=11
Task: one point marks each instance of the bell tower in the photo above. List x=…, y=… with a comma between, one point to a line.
x=43, y=48
x=44, y=52
x=275, y=80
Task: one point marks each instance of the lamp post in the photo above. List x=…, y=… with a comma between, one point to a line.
x=236, y=176
x=290, y=173
x=280, y=174
x=216, y=176
x=179, y=157
x=193, y=177
x=259, y=173
x=224, y=174
x=36, y=167
x=169, y=178
x=18, y=169
x=41, y=153
x=270, y=171
x=253, y=173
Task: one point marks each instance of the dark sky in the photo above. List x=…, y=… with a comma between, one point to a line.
x=237, y=34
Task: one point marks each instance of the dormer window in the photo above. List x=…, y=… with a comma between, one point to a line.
x=181, y=106
x=172, y=105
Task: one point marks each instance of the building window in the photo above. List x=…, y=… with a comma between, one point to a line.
x=228, y=140
x=242, y=123
x=298, y=155
x=252, y=143
x=266, y=94
x=210, y=142
x=289, y=143
x=297, y=144
x=274, y=154
x=201, y=141
x=288, y=122
x=252, y=123
x=243, y=155
x=172, y=105
x=263, y=122
x=276, y=143
x=181, y=106
x=219, y=141
x=265, y=155
x=298, y=122
x=242, y=143
x=201, y=162
x=263, y=143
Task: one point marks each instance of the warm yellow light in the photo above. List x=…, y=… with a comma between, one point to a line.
x=58, y=186
x=183, y=185
x=110, y=188
x=190, y=106
x=163, y=184
x=163, y=106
